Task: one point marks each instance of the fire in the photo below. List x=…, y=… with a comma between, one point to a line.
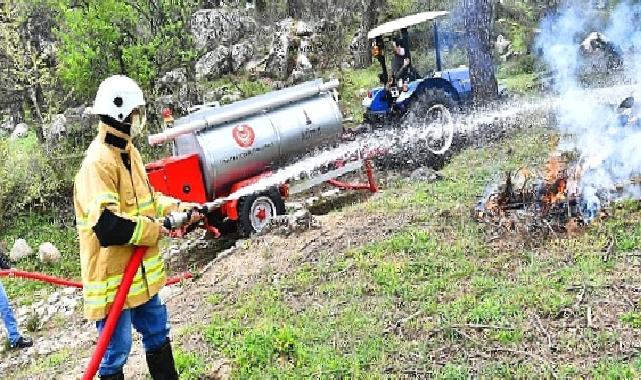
x=544, y=200
x=555, y=180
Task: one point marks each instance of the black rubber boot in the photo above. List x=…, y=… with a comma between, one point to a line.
x=161, y=363
x=116, y=376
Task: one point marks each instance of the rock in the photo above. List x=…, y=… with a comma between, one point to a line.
x=80, y=116
x=425, y=174
x=230, y=98
x=599, y=54
x=8, y=125
x=20, y=131
x=213, y=27
x=214, y=64
x=332, y=193
x=240, y=54
x=279, y=61
x=294, y=206
x=177, y=76
x=312, y=200
x=301, y=220
x=53, y=298
x=303, y=29
x=220, y=370
x=56, y=128
x=20, y=250
x=70, y=291
x=48, y=253
x=502, y=45
x=169, y=292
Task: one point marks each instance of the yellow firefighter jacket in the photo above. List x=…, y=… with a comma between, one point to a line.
x=109, y=197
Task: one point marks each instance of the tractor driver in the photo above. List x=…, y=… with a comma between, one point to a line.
x=401, y=64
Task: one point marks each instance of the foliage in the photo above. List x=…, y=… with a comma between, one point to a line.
x=189, y=365
x=28, y=75
x=352, y=85
x=105, y=37
x=27, y=178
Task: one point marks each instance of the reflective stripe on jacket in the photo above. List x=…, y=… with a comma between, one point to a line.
x=104, y=183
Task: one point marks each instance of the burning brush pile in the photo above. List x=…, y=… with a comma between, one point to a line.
x=540, y=202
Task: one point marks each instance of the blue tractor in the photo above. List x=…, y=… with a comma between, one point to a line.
x=404, y=91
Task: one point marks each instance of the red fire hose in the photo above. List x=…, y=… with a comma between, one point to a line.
x=74, y=284
x=114, y=313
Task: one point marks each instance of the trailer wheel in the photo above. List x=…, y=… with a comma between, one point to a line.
x=255, y=210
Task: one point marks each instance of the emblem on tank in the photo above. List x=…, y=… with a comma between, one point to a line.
x=244, y=135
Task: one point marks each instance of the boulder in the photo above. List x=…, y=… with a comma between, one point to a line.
x=56, y=128
x=20, y=250
x=502, y=45
x=174, y=77
x=214, y=64
x=48, y=253
x=425, y=174
x=231, y=98
x=214, y=27
x=303, y=29
x=599, y=54
x=240, y=54
x=280, y=60
x=8, y=125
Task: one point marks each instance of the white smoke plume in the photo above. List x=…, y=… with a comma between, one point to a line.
x=609, y=151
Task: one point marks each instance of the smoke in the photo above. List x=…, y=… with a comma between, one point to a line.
x=609, y=151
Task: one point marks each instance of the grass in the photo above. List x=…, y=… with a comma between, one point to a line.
x=520, y=83
x=352, y=83
x=45, y=364
x=332, y=318
x=336, y=317
x=36, y=229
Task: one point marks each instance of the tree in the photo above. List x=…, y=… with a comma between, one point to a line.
x=294, y=9
x=370, y=18
x=142, y=39
x=478, y=14
x=28, y=83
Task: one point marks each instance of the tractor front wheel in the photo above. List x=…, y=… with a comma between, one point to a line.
x=254, y=211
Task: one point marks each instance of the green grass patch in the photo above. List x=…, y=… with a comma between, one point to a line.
x=190, y=366
x=36, y=229
x=631, y=318
x=614, y=369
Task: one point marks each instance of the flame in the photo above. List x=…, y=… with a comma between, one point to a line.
x=555, y=179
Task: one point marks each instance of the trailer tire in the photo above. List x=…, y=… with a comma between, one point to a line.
x=249, y=222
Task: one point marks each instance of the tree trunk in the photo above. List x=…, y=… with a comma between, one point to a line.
x=478, y=15
x=294, y=9
x=363, y=53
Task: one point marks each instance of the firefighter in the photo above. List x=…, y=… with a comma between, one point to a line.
x=116, y=209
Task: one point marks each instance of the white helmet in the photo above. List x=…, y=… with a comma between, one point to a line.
x=117, y=97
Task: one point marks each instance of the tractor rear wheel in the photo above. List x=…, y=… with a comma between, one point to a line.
x=254, y=211
x=431, y=116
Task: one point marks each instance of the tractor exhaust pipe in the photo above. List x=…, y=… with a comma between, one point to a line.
x=251, y=107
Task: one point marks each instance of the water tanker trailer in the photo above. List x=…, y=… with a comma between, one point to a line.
x=218, y=151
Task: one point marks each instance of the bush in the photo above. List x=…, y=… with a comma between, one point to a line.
x=27, y=178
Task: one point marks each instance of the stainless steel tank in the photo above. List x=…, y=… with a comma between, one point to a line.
x=245, y=146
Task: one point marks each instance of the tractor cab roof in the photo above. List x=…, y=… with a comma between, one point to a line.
x=404, y=22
